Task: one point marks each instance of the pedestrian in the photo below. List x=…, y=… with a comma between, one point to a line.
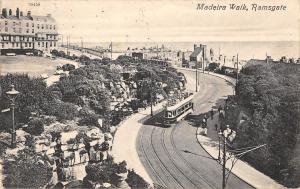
x=203, y=123
x=212, y=113
x=87, y=147
x=219, y=109
x=205, y=117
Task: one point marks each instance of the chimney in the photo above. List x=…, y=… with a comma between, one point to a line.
x=21, y=13
x=18, y=13
x=4, y=12
x=29, y=13
x=195, y=46
x=10, y=12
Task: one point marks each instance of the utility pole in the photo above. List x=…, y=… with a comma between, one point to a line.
x=111, y=50
x=237, y=69
x=224, y=165
x=203, y=47
x=151, y=90
x=196, y=76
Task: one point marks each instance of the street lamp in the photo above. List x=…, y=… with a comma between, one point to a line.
x=12, y=94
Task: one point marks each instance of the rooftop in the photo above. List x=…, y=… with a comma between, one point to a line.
x=196, y=52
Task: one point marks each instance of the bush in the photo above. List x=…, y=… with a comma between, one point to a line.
x=27, y=170
x=47, y=120
x=35, y=127
x=90, y=119
x=135, y=181
x=68, y=67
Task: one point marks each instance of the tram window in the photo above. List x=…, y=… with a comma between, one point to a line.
x=169, y=114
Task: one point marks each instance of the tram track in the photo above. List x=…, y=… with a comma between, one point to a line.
x=162, y=147
x=173, y=162
x=157, y=155
x=154, y=172
x=194, y=170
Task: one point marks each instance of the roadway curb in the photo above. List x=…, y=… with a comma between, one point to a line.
x=220, y=162
x=226, y=78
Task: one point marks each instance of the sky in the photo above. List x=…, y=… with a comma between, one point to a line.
x=165, y=20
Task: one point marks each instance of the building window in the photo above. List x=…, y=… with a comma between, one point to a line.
x=27, y=24
x=54, y=27
x=14, y=38
x=27, y=38
x=32, y=24
x=14, y=29
x=38, y=26
x=13, y=45
x=5, y=22
x=14, y=23
x=27, y=31
x=50, y=27
x=50, y=44
x=46, y=26
x=42, y=44
x=3, y=45
x=25, y=44
x=6, y=29
x=29, y=44
x=54, y=44
x=42, y=26
x=17, y=44
x=39, y=44
x=32, y=30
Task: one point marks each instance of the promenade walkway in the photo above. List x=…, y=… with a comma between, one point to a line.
x=243, y=170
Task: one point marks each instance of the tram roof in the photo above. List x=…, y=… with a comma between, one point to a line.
x=184, y=101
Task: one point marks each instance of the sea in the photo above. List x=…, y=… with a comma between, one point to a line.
x=245, y=49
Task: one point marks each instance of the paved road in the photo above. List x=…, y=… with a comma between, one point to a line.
x=161, y=149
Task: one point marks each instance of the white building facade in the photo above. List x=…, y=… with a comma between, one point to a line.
x=25, y=33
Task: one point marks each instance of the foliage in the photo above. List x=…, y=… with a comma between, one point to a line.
x=27, y=170
x=135, y=181
x=68, y=67
x=35, y=127
x=33, y=95
x=269, y=94
x=90, y=119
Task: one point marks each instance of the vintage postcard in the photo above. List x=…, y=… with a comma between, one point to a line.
x=193, y=94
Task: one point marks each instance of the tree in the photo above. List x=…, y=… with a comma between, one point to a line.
x=27, y=170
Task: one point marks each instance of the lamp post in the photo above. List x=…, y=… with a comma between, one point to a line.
x=12, y=94
x=151, y=91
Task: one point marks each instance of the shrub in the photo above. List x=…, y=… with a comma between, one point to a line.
x=68, y=67
x=35, y=127
x=27, y=170
x=135, y=181
x=90, y=119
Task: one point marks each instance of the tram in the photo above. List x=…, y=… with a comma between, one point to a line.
x=174, y=112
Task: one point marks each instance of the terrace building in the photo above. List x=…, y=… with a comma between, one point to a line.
x=198, y=57
x=25, y=33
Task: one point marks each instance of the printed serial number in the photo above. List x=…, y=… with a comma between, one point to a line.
x=36, y=4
